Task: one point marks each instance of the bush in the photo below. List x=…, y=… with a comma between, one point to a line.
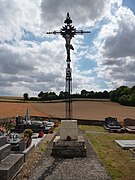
x=124, y=95
x=123, y=100
x=27, y=133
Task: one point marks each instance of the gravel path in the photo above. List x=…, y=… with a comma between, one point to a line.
x=89, y=168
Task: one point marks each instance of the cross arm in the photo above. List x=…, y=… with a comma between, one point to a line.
x=81, y=32
x=54, y=32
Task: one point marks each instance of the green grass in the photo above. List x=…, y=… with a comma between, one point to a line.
x=119, y=163
x=93, y=128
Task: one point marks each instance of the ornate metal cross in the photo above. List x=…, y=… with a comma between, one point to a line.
x=68, y=32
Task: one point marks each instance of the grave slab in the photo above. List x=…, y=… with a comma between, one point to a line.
x=10, y=166
x=126, y=144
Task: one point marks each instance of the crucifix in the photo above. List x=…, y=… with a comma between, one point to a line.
x=68, y=32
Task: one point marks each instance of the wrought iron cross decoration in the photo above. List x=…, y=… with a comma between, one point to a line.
x=68, y=32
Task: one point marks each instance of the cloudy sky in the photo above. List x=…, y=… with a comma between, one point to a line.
x=32, y=61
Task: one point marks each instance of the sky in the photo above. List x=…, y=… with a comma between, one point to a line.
x=32, y=61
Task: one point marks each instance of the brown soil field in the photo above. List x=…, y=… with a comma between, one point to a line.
x=81, y=109
x=88, y=110
x=8, y=109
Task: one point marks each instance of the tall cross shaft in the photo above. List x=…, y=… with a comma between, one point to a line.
x=68, y=32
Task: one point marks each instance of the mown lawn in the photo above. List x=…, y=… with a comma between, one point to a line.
x=119, y=163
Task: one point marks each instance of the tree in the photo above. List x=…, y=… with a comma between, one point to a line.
x=117, y=93
x=40, y=94
x=124, y=95
x=45, y=96
x=106, y=94
x=91, y=94
x=83, y=93
x=52, y=95
x=125, y=91
x=123, y=99
x=62, y=95
x=26, y=96
x=132, y=100
x=133, y=90
x=113, y=96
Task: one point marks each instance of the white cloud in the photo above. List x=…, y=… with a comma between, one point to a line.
x=116, y=44
x=32, y=65
x=18, y=15
x=84, y=13
x=122, y=41
x=29, y=67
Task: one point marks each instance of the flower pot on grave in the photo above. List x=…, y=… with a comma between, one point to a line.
x=41, y=134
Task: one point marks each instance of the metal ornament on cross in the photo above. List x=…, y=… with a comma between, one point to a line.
x=68, y=32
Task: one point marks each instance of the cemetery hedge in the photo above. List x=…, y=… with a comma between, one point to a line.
x=119, y=163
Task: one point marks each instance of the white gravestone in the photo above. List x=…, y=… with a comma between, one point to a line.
x=69, y=129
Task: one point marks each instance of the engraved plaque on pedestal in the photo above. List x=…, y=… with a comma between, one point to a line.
x=69, y=129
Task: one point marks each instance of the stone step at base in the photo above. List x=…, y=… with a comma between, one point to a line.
x=10, y=166
x=3, y=140
x=4, y=151
x=69, y=149
x=69, y=153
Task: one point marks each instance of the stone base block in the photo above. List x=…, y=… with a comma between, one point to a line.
x=69, y=149
x=4, y=151
x=10, y=166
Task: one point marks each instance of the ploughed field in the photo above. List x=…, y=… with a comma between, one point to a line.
x=81, y=109
x=12, y=109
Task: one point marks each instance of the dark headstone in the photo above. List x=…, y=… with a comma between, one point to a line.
x=3, y=140
x=18, y=120
x=129, y=125
x=112, y=124
x=129, y=122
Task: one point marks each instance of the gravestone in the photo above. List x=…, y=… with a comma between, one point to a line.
x=129, y=125
x=4, y=147
x=69, y=143
x=9, y=163
x=69, y=129
x=112, y=125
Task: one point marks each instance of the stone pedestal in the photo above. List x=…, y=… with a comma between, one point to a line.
x=69, y=144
